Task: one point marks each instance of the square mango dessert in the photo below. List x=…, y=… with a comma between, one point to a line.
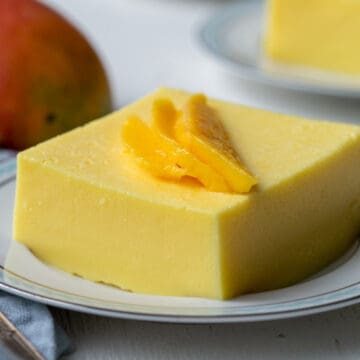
x=187, y=196
x=321, y=34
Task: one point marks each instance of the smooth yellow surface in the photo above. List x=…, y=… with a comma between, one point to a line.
x=318, y=33
x=84, y=206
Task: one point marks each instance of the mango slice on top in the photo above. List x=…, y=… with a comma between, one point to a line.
x=164, y=117
x=150, y=153
x=164, y=158
x=200, y=131
x=187, y=143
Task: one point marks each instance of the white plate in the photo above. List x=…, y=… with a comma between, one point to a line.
x=25, y=275
x=234, y=37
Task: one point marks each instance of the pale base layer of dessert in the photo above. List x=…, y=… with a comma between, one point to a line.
x=322, y=34
x=84, y=205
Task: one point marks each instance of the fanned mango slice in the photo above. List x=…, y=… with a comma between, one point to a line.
x=187, y=143
x=164, y=117
x=199, y=130
x=164, y=158
x=144, y=144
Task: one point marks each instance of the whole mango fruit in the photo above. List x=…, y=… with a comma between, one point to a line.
x=51, y=80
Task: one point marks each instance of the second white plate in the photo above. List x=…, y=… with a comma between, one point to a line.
x=234, y=38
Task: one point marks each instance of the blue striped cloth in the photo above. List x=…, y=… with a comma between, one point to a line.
x=36, y=323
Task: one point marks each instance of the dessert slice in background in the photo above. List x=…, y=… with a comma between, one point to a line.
x=321, y=34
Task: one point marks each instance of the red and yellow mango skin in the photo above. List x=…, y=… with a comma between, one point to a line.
x=51, y=80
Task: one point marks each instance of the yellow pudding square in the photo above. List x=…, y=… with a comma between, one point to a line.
x=84, y=205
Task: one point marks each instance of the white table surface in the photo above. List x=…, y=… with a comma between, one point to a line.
x=149, y=43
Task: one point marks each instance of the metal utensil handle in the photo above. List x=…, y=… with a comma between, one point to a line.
x=15, y=341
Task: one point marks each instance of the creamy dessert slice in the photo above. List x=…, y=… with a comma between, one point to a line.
x=85, y=205
x=320, y=34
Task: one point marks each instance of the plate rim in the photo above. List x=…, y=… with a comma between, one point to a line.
x=181, y=319
x=207, y=40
